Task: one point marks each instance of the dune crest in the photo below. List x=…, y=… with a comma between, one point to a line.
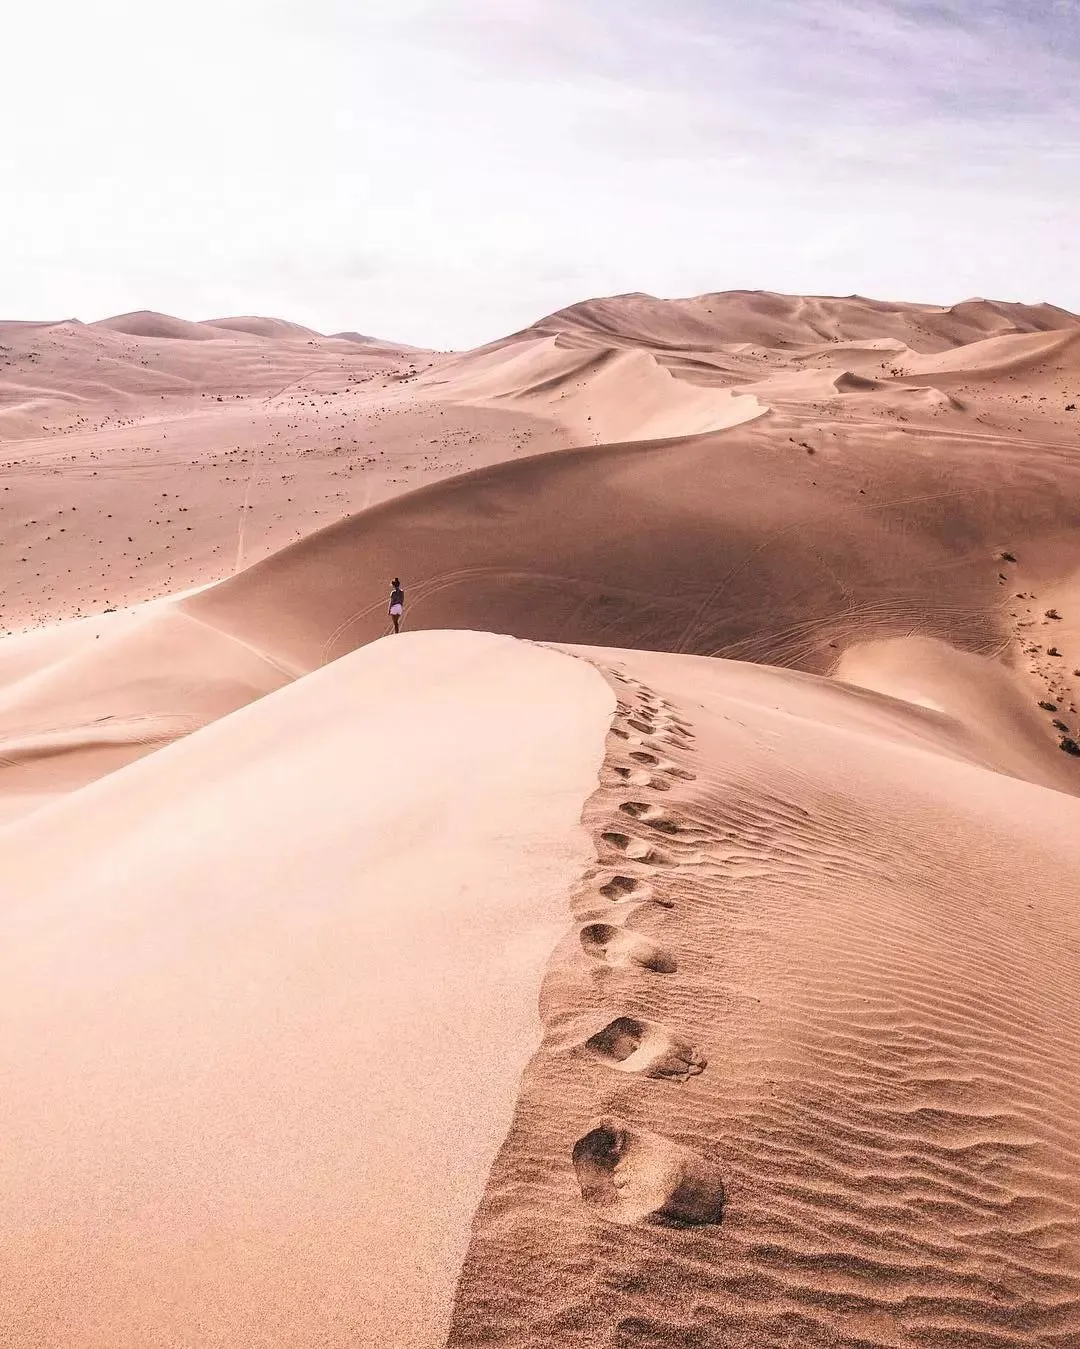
x=320, y=1046
x=872, y=946
x=607, y=394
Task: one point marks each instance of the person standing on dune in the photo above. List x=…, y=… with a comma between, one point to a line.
x=397, y=603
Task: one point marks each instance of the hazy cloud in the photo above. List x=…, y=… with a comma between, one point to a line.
x=446, y=170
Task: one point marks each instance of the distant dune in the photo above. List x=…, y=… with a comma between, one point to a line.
x=261, y=327
x=145, y=323
x=772, y=320
x=670, y=940
x=377, y=342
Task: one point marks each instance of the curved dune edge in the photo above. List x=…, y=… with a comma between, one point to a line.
x=606, y=394
x=266, y=996
x=810, y=1065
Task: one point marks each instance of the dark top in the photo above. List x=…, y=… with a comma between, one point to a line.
x=397, y=595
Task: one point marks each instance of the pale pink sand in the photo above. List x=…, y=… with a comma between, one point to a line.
x=811, y=1069
x=266, y=995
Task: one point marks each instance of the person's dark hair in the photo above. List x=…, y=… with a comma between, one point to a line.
x=396, y=582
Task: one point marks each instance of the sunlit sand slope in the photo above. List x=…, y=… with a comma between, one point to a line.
x=265, y=998
x=811, y=1065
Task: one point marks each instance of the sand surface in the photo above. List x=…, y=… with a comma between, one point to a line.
x=810, y=1066
x=265, y=1015
x=395, y=991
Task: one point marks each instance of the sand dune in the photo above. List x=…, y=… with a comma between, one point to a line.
x=786, y=1087
x=809, y=1071
x=147, y=323
x=783, y=540
x=773, y=320
x=996, y=356
x=185, y=460
x=609, y=394
x=120, y=692
x=392, y=992
x=261, y=327
x=205, y=1160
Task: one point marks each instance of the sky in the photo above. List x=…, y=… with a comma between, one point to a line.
x=443, y=172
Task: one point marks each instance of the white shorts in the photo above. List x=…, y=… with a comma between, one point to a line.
x=396, y=610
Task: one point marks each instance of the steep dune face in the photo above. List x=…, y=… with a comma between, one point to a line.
x=997, y=357
x=976, y=703
x=266, y=997
x=607, y=394
x=119, y=693
x=809, y=1072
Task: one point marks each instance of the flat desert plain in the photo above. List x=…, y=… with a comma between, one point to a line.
x=671, y=938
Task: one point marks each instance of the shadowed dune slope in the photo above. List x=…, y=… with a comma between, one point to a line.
x=809, y=1075
x=266, y=995
x=739, y=544
x=806, y=497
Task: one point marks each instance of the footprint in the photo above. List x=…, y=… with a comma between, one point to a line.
x=670, y=710
x=636, y=849
x=639, y=778
x=620, y=887
x=634, y=1046
x=678, y=742
x=674, y=771
x=616, y=946
x=642, y=1177
x=644, y=727
x=671, y=727
x=653, y=761
x=653, y=816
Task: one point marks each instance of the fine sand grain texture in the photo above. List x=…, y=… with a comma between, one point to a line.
x=811, y=1065
x=266, y=996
